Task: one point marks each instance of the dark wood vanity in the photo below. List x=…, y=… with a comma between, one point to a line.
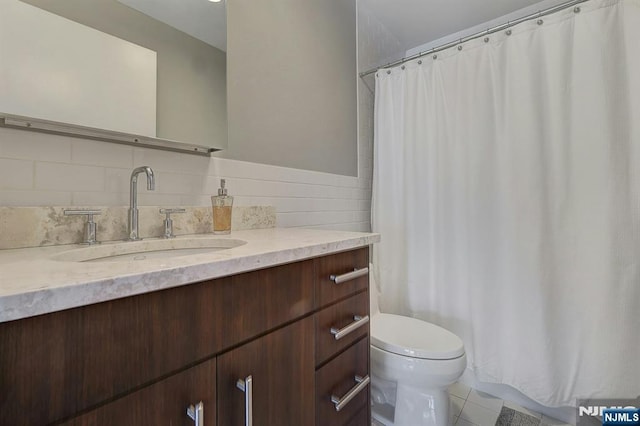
x=261, y=341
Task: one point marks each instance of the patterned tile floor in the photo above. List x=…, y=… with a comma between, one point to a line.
x=471, y=407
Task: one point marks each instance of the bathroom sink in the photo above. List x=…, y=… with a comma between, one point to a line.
x=147, y=249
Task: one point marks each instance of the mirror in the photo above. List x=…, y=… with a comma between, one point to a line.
x=172, y=84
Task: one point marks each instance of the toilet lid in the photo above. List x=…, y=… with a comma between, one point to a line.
x=414, y=338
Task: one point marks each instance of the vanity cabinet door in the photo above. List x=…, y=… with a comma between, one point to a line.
x=164, y=403
x=277, y=374
x=57, y=365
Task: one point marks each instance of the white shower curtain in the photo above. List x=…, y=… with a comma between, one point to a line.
x=507, y=193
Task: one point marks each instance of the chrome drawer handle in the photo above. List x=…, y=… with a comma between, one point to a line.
x=349, y=275
x=246, y=386
x=358, y=322
x=361, y=383
x=196, y=413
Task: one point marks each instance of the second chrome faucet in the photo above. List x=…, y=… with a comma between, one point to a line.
x=133, y=199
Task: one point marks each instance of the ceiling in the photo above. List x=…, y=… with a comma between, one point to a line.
x=412, y=22
x=417, y=22
x=201, y=19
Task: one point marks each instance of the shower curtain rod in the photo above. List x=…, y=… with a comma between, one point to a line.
x=492, y=30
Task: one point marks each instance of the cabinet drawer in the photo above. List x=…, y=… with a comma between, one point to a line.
x=346, y=320
x=337, y=379
x=54, y=365
x=163, y=404
x=328, y=291
x=252, y=303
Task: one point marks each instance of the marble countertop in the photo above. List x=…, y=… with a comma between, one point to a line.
x=32, y=282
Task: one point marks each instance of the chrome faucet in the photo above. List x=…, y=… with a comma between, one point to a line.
x=133, y=199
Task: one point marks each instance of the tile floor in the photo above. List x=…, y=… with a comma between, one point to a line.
x=470, y=407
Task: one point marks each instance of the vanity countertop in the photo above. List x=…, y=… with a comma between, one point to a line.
x=32, y=283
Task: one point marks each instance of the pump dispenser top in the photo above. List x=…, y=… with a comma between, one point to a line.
x=222, y=190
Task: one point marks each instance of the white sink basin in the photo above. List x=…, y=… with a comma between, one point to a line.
x=147, y=249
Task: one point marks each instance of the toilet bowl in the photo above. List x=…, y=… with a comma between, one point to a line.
x=421, y=359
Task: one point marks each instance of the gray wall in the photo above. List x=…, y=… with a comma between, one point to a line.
x=292, y=83
x=191, y=74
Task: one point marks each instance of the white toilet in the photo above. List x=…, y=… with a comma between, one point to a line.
x=416, y=361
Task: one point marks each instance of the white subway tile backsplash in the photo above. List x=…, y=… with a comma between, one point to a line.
x=363, y=194
x=289, y=205
x=366, y=182
x=210, y=185
x=362, y=216
x=101, y=154
x=203, y=200
x=16, y=174
x=34, y=198
x=315, y=218
x=255, y=201
x=91, y=198
x=364, y=205
x=176, y=183
x=68, y=177
x=172, y=161
x=288, y=220
x=117, y=180
x=356, y=227
x=148, y=198
x=34, y=146
x=243, y=187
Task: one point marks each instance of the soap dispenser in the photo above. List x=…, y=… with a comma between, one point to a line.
x=222, y=204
